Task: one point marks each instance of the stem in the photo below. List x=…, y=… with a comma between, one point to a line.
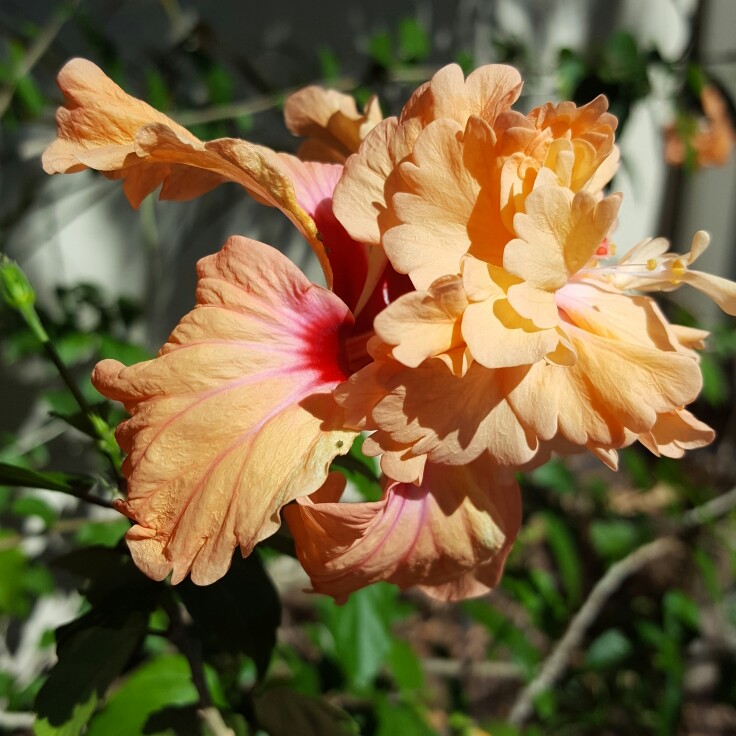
x=556, y=663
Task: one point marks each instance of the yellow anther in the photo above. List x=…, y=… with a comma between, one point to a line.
x=678, y=268
x=612, y=249
x=651, y=264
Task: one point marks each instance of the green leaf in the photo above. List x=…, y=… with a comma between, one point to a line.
x=566, y=557
x=360, y=470
x=611, y=648
x=715, y=380
x=102, y=533
x=75, y=347
x=681, y=608
x=237, y=614
x=283, y=712
x=361, y=631
x=400, y=719
x=404, y=666
x=329, y=64
x=505, y=633
x=413, y=40
x=33, y=506
x=161, y=682
x=110, y=579
x=13, y=475
x=92, y=651
x=380, y=49
x=19, y=582
x=124, y=352
x=556, y=476
x=614, y=539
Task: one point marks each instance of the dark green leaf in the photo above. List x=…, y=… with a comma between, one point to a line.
x=360, y=470
x=400, y=719
x=680, y=607
x=283, y=712
x=161, y=682
x=608, y=650
x=380, y=49
x=238, y=614
x=111, y=579
x=361, y=631
x=92, y=651
x=12, y=475
x=715, y=380
x=404, y=666
x=566, y=557
x=180, y=720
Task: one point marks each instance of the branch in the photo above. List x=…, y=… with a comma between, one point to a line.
x=556, y=663
x=262, y=103
x=37, y=49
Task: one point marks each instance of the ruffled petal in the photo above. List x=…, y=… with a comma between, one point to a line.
x=330, y=121
x=675, y=432
x=449, y=418
x=558, y=235
x=234, y=418
x=422, y=324
x=449, y=536
x=103, y=128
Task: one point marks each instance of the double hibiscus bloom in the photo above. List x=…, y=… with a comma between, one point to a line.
x=474, y=322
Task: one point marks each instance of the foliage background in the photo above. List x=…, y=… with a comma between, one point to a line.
x=618, y=609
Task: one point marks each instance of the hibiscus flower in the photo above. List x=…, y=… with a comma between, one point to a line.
x=471, y=322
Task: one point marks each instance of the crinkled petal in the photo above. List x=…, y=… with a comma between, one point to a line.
x=234, y=418
x=448, y=536
x=449, y=418
x=103, y=128
x=330, y=121
x=422, y=324
x=614, y=388
x=558, y=235
x=675, y=432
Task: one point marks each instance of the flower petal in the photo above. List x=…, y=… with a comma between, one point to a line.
x=451, y=419
x=103, y=128
x=449, y=536
x=557, y=235
x=424, y=323
x=331, y=122
x=234, y=418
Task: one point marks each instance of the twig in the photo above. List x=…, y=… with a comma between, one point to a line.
x=190, y=648
x=485, y=670
x=262, y=103
x=38, y=48
x=556, y=663
x=212, y=718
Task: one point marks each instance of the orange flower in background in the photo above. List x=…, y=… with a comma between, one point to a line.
x=709, y=139
x=473, y=322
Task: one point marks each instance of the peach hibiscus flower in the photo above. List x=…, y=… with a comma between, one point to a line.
x=709, y=139
x=471, y=321
x=521, y=336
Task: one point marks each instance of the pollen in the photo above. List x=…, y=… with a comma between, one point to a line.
x=651, y=264
x=678, y=268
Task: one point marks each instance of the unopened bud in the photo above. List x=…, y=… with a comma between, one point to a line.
x=16, y=289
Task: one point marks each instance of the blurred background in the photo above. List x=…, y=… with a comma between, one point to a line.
x=658, y=653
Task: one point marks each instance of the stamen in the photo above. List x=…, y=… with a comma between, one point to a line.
x=678, y=268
